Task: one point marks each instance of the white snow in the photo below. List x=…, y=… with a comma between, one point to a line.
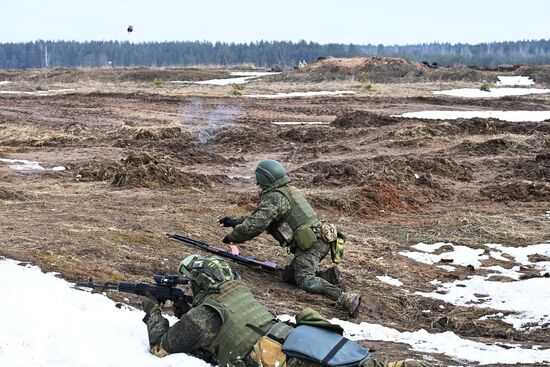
x=301, y=94
x=59, y=168
x=390, y=280
x=46, y=323
x=64, y=327
x=480, y=291
x=547, y=214
x=23, y=164
x=514, y=80
x=461, y=255
x=447, y=343
x=242, y=77
x=510, y=296
x=494, y=93
x=284, y=123
x=513, y=116
x=4, y=82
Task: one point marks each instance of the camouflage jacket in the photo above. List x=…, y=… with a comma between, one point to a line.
x=273, y=206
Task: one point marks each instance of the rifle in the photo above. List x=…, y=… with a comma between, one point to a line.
x=164, y=288
x=245, y=260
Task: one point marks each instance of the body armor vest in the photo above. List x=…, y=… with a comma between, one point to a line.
x=301, y=214
x=237, y=308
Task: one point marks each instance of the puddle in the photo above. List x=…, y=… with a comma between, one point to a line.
x=242, y=77
x=38, y=93
x=512, y=116
x=494, y=93
x=301, y=94
x=479, y=291
x=284, y=123
x=514, y=80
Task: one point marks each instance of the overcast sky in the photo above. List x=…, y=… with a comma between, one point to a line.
x=324, y=21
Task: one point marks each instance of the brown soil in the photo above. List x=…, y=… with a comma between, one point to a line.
x=140, y=164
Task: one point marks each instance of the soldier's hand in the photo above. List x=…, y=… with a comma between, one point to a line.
x=226, y=239
x=180, y=308
x=148, y=302
x=229, y=222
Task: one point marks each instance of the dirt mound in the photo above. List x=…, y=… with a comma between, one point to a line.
x=374, y=197
x=357, y=119
x=379, y=69
x=311, y=135
x=6, y=194
x=408, y=170
x=518, y=191
x=537, y=169
x=149, y=133
x=143, y=170
x=489, y=147
x=249, y=139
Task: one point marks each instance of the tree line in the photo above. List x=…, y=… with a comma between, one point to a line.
x=262, y=53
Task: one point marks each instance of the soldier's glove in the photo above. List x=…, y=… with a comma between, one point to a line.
x=226, y=239
x=180, y=308
x=230, y=221
x=148, y=302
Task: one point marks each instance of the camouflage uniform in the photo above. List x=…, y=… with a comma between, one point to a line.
x=198, y=330
x=274, y=207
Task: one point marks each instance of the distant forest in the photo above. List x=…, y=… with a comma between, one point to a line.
x=267, y=54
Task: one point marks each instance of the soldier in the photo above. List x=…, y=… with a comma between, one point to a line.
x=227, y=326
x=284, y=213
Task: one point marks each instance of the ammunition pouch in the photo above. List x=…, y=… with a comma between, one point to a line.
x=337, y=249
x=268, y=352
x=304, y=237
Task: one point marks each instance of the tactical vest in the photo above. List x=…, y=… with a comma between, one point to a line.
x=301, y=213
x=237, y=308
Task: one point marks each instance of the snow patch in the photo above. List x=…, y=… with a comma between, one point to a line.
x=512, y=116
x=301, y=94
x=390, y=280
x=23, y=165
x=59, y=168
x=514, y=80
x=5, y=82
x=509, y=296
x=447, y=343
x=461, y=255
x=547, y=214
x=242, y=77
x=73, y=328
x=494, y=93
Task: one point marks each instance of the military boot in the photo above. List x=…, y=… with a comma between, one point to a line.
x=331, y=275
x=350, y=302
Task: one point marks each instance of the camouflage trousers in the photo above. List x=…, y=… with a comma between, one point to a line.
x=301, y=271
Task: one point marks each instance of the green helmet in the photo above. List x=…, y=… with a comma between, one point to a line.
x=206, y=271
x=269, y=171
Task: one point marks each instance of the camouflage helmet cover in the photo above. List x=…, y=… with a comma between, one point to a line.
x=268, y=171
x=206, y=271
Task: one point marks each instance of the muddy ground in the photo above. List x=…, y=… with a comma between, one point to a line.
x=143, y=161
